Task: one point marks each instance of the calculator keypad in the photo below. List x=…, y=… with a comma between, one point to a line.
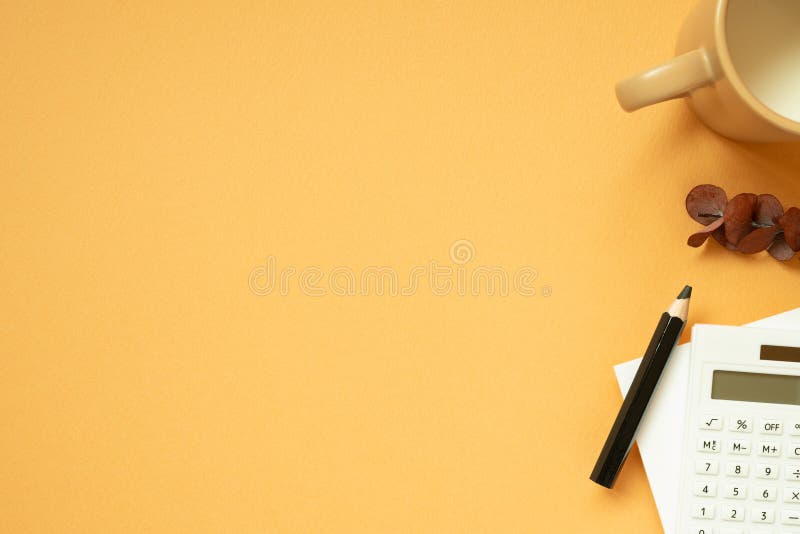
x=744, y=470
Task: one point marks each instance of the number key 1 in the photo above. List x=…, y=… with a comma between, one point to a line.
x=703, y=511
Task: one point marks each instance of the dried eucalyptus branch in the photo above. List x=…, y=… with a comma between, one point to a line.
x=747, y=223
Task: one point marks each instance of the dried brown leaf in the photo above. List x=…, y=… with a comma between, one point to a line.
x=695, y=240
x=738, y=216
x=705, y=203
x=780, y=250
x=758, y=240
x=791, y=228
x=719, y=236
x=768, y=210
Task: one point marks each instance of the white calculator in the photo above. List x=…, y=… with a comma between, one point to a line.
x=741, y=456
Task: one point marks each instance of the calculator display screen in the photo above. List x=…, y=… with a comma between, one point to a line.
x=755, y=387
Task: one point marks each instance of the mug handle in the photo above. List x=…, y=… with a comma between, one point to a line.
x=672, y=79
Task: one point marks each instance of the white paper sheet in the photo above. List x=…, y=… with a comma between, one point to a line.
x=660, y=435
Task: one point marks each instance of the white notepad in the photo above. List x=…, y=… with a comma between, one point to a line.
x=660, y=435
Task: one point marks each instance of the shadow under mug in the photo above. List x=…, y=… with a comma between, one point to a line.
x=739, y=65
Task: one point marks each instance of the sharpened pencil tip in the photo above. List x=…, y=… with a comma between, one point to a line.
x=686, y=293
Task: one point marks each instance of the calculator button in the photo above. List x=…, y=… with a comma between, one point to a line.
x=790, y=517
x=702, y=530
x=794, y=450
x=711, y=422
x=792, y=472
x=794, y=428
x=791, y=494
x=739, y=446
x=766, y=471
x=740, y=424
x=732, y=513
x=762, y=515
x=708, y=445
x=703, y=511
x=767, y=493
x=737, y=469
x=731, y=531
x=703, y=488
x=736, y=492
x=706, y=467
x=771, y=426
x=769, y=448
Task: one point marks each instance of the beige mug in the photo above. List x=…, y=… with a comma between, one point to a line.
x=738, y=62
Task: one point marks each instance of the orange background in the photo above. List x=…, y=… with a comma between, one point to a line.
x=153, y=153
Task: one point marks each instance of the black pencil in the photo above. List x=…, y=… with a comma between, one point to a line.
x=622, y=434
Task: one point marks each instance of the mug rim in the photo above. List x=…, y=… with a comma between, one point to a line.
x=726, y=61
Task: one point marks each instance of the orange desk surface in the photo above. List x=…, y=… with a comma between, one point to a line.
x=155, y=155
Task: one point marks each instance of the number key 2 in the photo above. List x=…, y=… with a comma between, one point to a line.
x=733, y=513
